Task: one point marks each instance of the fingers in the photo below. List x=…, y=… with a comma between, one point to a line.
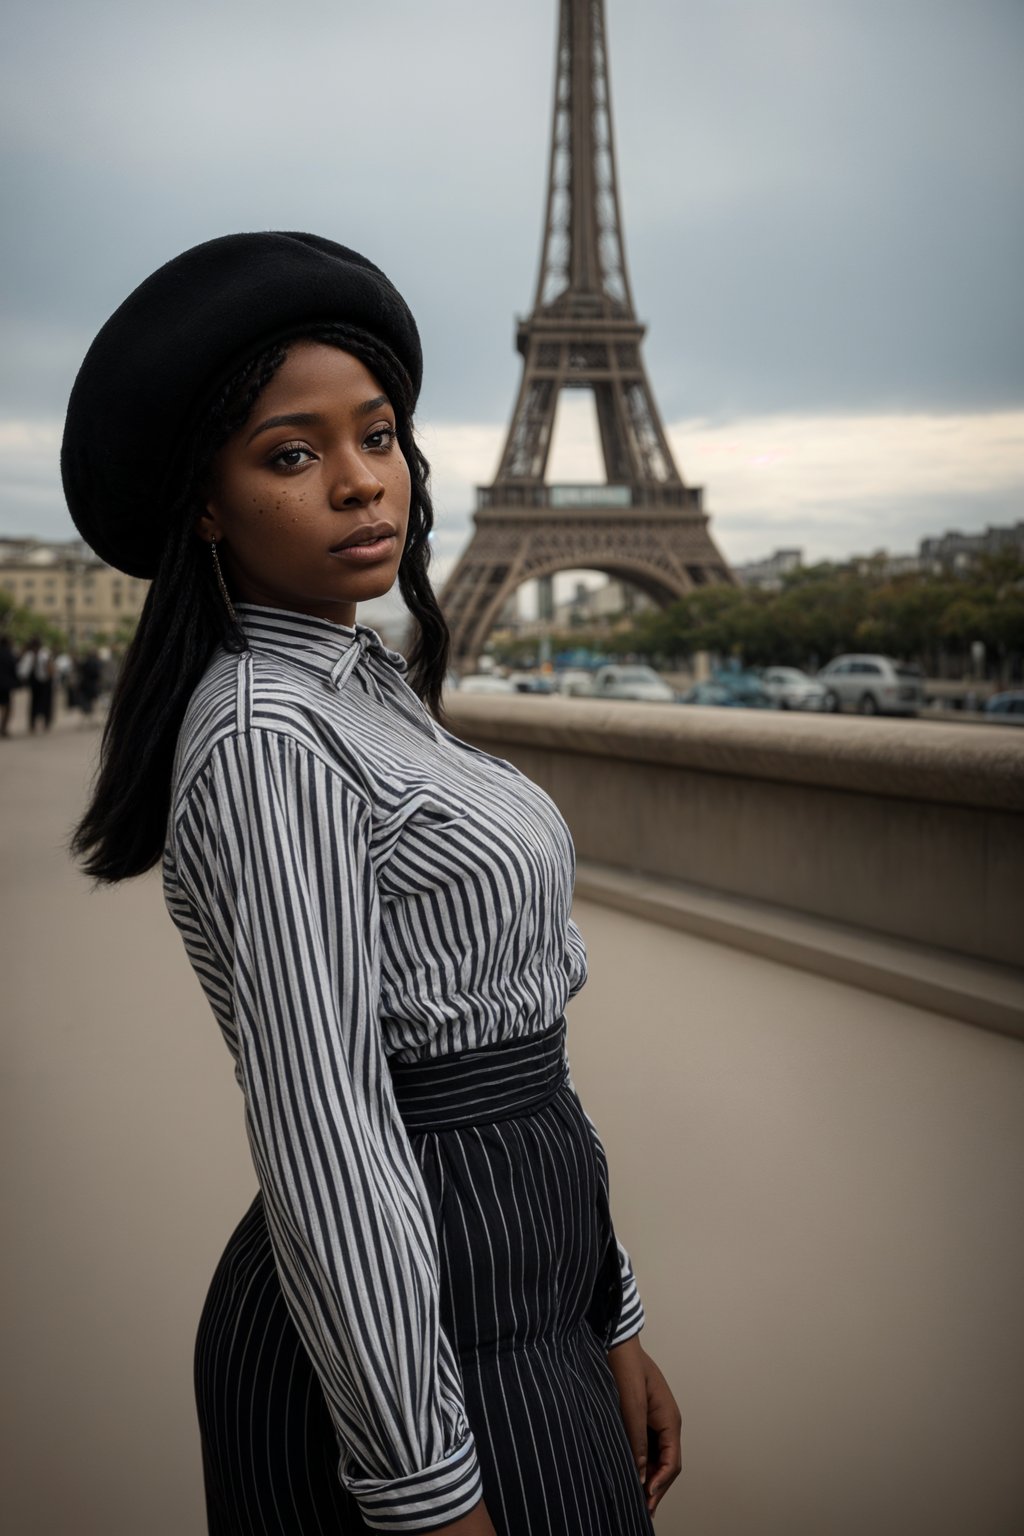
x=651, y=1418
x=633, y=1401
x=667, y=1463
x=665, y=1430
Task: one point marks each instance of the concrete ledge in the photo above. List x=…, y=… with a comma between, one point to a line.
x=986, y=995
x=909, y=831
x=948, y=764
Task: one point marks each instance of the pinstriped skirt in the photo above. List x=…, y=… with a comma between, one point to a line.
x=530, y=1294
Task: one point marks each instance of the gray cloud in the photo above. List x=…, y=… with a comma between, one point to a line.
x=823, y=204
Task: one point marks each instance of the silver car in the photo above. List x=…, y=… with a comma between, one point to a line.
x=1006, y=708
x=793, y=689
x=632, y=682
x=576, y=682
x=485, y=682
x=872, y=685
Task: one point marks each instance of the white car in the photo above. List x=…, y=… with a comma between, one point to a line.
x=632, y=682
x=793, y=689
x=576, y=682
x=872, y=685
x=485, y=682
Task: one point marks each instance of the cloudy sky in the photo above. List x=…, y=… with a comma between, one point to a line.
x=823, y=200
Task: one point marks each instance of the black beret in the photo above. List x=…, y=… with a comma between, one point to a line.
x=162, y=356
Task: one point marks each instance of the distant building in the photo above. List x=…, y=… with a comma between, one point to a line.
x=945, y=554
x=768, y=574
x=508, y=618
x=596, y=605
x=882, y=563
x=65, y=584
x=903, y=565
x=950, y=552
x=957, y=551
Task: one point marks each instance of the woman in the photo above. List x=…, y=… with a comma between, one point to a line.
x=9, y=680
x=36, y=669
x=424, y=1322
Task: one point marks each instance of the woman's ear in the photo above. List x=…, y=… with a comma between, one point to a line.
x=206, y=525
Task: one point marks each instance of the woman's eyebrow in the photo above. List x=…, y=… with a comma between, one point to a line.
x=311, y=418
x=372, y=405
x=295, y=419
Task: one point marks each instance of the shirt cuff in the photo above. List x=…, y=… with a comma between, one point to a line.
x=631, y=1313
x=421, y=1501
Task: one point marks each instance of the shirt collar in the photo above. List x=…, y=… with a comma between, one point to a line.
x=328, y=649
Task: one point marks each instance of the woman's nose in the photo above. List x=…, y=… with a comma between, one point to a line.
x=354, y=484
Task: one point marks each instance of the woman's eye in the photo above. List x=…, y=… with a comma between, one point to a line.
x=291, y=456
x=381, y=437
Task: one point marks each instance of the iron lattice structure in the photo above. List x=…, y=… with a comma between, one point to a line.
x=644, y=526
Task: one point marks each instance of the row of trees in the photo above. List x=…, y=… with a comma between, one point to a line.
x=823, y=610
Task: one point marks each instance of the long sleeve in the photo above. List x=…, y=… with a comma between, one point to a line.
x=272, y=852
x=631, y=1318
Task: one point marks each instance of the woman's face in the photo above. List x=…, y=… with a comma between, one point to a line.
x=295, y=494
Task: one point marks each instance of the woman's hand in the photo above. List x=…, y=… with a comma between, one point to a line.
x=651, y=1417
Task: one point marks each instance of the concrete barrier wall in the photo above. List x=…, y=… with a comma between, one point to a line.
x=909, y=831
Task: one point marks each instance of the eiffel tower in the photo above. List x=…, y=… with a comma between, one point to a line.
x=644, y=526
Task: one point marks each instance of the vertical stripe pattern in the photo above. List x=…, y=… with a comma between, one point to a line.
x=358, y=891
x=519, y=1197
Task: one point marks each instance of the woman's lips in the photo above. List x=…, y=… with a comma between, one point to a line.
x=367, y=554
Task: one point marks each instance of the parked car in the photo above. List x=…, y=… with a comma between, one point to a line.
x=532, y=682
x=576, y=682
x=793, y=689
x=738, y=692
x=632, y=682
x=485, y=682
x=872, y=685
x=1007, y=706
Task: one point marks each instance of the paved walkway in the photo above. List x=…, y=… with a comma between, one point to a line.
x=821, y=1192
x=123, y=1121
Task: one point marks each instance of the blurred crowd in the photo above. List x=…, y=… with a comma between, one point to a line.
x=50, y=681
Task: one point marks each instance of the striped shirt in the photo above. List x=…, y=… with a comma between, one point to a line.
x=354, y=884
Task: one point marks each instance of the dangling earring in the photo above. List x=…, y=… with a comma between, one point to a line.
x=220, y=580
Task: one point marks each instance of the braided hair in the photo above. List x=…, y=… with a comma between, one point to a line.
x=185, y=618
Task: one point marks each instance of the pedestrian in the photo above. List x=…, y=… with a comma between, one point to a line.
x=64, y=670
x=87, y=687
x=36, y=669
x=425, y=1321
x=9, y=680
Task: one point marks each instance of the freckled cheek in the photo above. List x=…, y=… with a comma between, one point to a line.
x=267, y=509
x=264, y=531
